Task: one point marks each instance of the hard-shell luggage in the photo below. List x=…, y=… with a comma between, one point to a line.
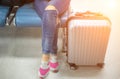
x=87, y=39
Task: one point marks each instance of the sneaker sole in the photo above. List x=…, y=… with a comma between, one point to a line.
x=54, y=71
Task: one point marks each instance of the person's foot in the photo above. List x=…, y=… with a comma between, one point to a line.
x=43, y=72
x=54, y=66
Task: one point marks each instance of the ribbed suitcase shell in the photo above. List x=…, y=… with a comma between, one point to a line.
x=88, y=39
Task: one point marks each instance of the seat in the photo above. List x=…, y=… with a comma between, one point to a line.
x=4, y=10
x=26, y=16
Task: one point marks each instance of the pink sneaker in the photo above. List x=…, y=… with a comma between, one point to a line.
x=54, y=66
x=43, y=72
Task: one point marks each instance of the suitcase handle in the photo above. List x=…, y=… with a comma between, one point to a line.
x=87, y=13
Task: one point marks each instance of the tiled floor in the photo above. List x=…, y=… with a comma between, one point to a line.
x=20, y=54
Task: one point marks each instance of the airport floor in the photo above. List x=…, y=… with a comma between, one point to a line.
x=20, y=55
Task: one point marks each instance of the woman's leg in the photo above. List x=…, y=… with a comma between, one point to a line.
x=52, y=11
x=49, y=11
x=40, y=6
x=50, y=24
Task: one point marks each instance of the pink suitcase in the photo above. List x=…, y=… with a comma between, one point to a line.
x=88, y=35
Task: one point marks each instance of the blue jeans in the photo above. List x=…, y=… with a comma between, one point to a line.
x=50, y=24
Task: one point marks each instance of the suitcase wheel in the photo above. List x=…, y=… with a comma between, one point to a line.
x=73, y=66
x=101, y=65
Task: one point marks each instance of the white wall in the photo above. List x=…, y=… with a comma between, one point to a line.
x=109, y=7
